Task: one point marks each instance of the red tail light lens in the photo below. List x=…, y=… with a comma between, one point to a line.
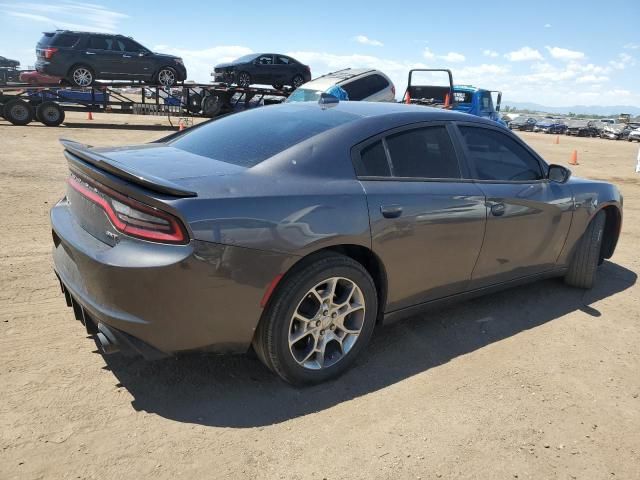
x=130, y=216
x=393, y=89
x=48, y=52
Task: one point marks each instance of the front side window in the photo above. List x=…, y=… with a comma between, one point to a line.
x=280, y=60
x=496, y=156
x=356, y=89
x=423, y=153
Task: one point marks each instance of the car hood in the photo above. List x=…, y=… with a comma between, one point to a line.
x=226, y=65
x=165, y=55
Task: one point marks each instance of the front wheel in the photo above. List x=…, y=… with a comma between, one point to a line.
x=167, y=77
x=320, y=318
x=586, y=256
x=297, y=81
x=243, y=79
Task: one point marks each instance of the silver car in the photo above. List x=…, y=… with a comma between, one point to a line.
x=360, y=84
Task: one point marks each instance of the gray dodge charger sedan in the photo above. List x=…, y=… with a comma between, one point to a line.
x=295, y=229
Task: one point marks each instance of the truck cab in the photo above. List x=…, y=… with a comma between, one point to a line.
x=478, y=102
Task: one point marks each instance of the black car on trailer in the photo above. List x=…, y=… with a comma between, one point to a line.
x=265, y=69
x=82, y=57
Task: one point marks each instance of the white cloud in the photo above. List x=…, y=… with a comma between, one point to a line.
x=67, y=14
x=200, y=63
x=565, y=54
x=453, y=57
x=622, y=61
x=428, y=54
x=368, y=41
x=632, y=46
x=547, y=25
x=592, y=79
x=490, y=53
x=524, y=54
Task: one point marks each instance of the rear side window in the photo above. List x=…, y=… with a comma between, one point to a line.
x=364, y=87
x=59, y=40
x=423, y=153
x=373, y=161
x=100, y=43
x=496, y=156
x=248, y=138
x=283, y=60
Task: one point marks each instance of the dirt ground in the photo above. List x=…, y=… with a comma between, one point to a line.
x=539, y=382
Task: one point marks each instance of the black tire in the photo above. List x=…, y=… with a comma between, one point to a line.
x=166, y=77
x=243, y=79
x=277, y=85
x=81, y=76
x=211, y=105
x=50, y=113
x=18, y=112
x=297, y=80
x=271, y=340
x=195, y=103
x=586, y=256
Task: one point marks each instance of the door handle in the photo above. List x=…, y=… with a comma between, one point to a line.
x=391, y=211
x=498, y=209
x=90, y=53
x=126, y=56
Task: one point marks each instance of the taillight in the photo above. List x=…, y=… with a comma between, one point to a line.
x=393, y=89
x=48, y=52
x=131, y=216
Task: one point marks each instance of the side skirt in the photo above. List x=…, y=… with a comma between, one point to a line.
x=390, y=317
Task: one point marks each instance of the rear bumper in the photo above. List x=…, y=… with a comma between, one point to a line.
x=56, y=69
x=172, y=298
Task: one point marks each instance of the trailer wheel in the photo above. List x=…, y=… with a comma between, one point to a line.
x=18, y=112
x=211, y=106
x=50, y=113
x=277, y=85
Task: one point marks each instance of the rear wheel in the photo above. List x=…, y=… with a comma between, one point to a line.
x=320, y=318
x=18, y=112
x=277, y=85
x=50, y=113
x=243, y=79
x=81, y=76
x=211, y=105
x=586, y=257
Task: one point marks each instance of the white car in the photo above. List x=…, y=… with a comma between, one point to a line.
x=360, y=84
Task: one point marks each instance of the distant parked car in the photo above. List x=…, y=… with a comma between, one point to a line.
x=359, y=84
x=634, y=135
x=614, y=131
x=34, y=77
x=8, y=63
x=523, y=123
x=263, y=68
x=83, y=57
x=582, y=128
x=549, y=125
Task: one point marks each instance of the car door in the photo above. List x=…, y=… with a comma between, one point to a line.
x=427, y=223
x=135, y=63
x=528, y=216
x=264, y=69
x=284, y=69
x=102, y=57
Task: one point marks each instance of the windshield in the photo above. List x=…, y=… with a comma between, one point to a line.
x=304, y=95
x=245, y=58
x=248, y=138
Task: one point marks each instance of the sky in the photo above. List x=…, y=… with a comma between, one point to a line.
x=548, y=52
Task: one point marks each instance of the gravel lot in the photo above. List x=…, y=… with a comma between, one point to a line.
x=540, y=382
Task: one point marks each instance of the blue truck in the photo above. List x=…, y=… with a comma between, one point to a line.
x=462, y=98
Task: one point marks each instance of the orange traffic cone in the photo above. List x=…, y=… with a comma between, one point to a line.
x=574, y=158
x=89, y=116
x=407, y=98
x=557, y=139
x=447, y=101
x=181, y=126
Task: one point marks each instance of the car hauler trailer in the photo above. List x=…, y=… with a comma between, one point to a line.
x=21, y=104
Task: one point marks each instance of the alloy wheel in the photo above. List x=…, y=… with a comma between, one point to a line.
x=244, y=80
x=297, y=81
x=326, y=323
x=166, y=77
x=82, y=77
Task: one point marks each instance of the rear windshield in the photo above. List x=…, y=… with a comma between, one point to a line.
x=248, y=138
x=304, y=95
x=59, y=40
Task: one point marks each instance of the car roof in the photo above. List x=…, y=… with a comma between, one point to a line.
x=78, y=32
x=416, y=113
x=337, y=77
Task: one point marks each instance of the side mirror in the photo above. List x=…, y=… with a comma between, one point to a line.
x=143, y=53
x=558, y=173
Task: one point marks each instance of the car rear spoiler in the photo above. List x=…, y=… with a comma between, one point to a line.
x=150, y=182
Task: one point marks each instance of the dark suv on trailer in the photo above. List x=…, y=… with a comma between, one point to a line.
x=81, y=58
